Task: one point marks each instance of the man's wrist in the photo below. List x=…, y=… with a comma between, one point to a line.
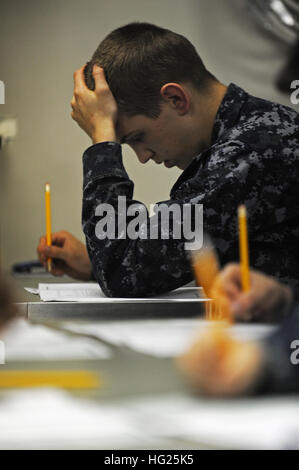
x=105, y=134
x=103, y=138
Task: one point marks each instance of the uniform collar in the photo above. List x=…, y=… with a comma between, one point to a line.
x=228, y=111
x=227, y=116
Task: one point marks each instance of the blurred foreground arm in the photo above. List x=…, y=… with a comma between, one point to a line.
x=218, y=365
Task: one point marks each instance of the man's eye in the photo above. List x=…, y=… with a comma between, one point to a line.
x=135, y=140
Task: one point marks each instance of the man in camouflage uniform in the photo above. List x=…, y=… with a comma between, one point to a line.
x=147, y=87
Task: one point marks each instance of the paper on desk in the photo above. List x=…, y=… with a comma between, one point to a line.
x=245, y=423
x=91, y=292
x=30, y=342
x=161, y=338
x=32, y=290
x=53, y=419
x=72, y=292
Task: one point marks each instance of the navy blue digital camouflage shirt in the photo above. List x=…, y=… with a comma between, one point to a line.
x=253, y=159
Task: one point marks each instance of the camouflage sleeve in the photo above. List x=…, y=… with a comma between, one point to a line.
x=126, y=267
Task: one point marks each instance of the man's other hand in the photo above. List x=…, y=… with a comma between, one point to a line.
x=69, y=256
x=267, y=300
x=95, y=111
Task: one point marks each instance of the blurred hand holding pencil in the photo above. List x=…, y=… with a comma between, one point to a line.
x=216, y=363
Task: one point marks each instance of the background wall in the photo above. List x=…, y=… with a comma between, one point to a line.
x=42, y=43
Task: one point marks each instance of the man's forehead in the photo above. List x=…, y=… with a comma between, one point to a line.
x=127, y=125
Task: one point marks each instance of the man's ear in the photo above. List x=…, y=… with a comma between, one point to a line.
x=176, y=96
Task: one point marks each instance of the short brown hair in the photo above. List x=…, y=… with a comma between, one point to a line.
x=138, y=59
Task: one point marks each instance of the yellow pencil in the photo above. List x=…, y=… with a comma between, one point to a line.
x=49, y=378
x=206, y=267
x=243, y=245
x=48, y=220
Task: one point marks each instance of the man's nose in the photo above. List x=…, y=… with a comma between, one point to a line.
x=144, y=156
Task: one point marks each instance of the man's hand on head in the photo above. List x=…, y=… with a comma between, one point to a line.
x=94, y=110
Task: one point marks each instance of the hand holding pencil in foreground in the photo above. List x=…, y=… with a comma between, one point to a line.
x=206, y=268
x=217, y=364
x=266, y=301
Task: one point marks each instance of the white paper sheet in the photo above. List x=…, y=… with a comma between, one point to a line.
x=24, y=341
x=53, y=419
x=161, y=338
x=91, y=292
x=70, y=292
x=245, y=423
x=32, y=290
